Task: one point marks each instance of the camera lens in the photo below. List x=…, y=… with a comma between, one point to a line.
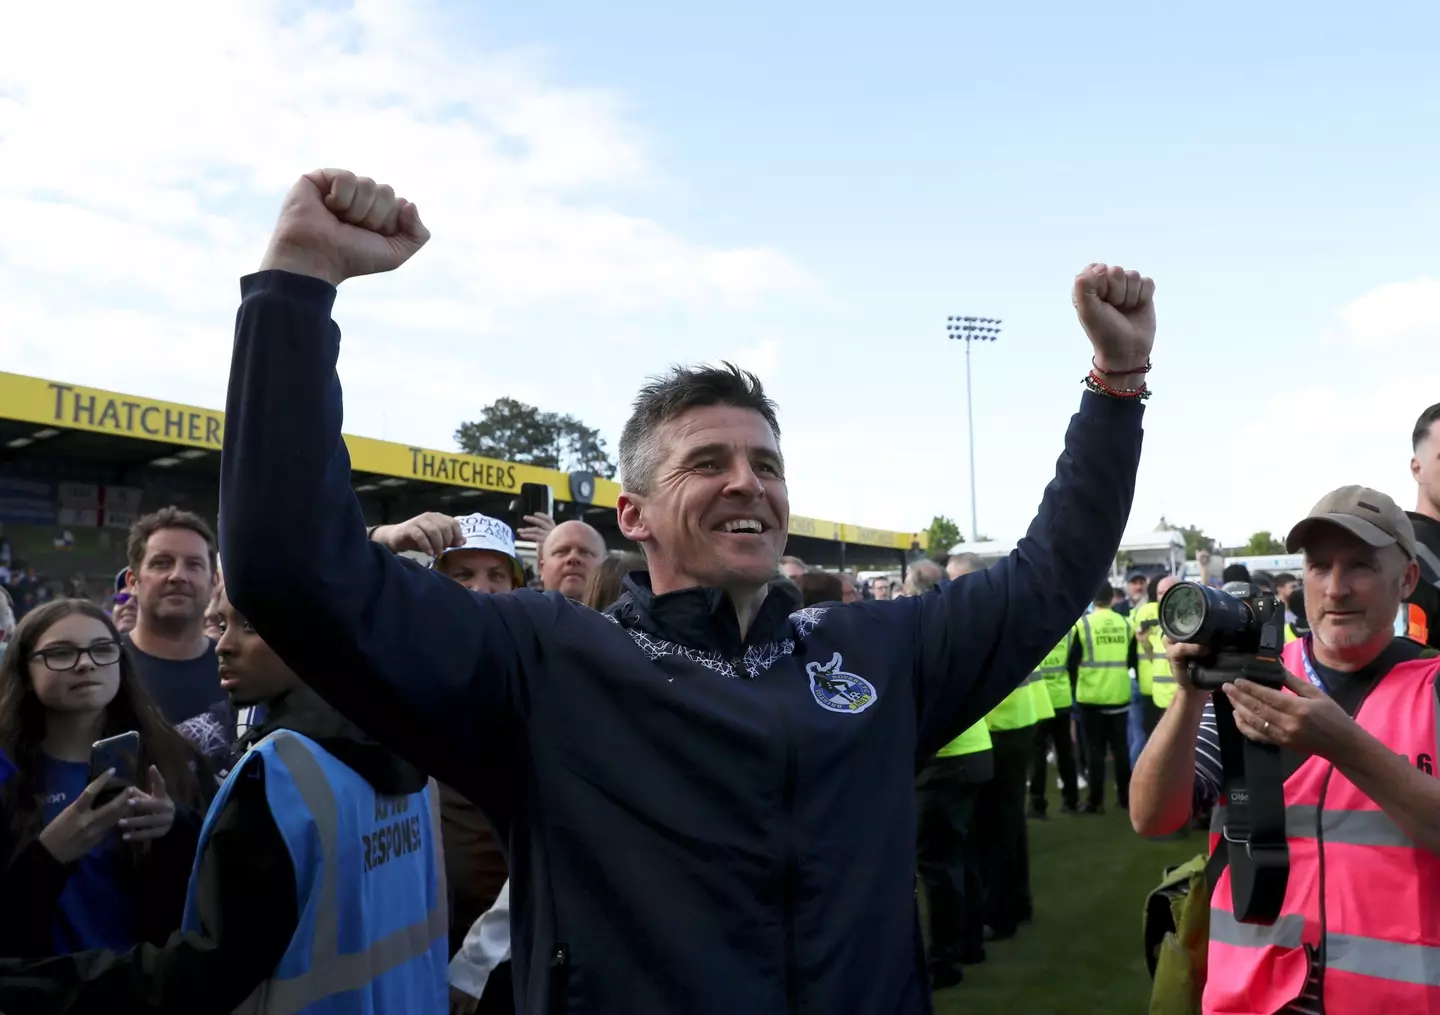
x=1218, y=619
x=1182, y=611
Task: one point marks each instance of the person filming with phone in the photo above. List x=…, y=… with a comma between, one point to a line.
x=318, y=883
x=1352, y=725
x=98, y=826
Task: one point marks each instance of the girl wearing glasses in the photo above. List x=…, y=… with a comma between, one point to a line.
x=78, y=871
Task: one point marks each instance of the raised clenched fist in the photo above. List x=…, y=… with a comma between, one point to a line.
x=431, y=533
x=335, y=225
x=1117, y=310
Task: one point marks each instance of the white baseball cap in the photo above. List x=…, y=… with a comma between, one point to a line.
x=481, y=532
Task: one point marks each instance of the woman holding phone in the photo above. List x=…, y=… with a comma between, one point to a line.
x=82, y=865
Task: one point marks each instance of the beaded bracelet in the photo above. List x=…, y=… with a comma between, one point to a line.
x=1095, y=383
x=1115, y=373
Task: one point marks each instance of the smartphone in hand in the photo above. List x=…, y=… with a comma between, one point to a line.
x=121, y=753
x=536, y=499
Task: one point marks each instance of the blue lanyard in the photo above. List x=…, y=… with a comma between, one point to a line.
x=1310, y=673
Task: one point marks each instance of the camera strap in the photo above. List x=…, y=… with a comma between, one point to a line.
x=1253, y=837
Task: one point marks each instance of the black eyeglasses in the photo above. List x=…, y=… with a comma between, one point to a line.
x=65, y=657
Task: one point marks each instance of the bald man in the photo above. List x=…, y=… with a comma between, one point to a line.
x=569, y=556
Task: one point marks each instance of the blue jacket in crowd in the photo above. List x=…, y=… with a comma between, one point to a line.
x=698, y=822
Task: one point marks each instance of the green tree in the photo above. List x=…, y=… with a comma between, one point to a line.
x=513, y=431
x=1195, y=539
x=1263, y=544
x=942, y=534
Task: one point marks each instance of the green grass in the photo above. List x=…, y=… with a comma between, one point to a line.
x=1083, y=954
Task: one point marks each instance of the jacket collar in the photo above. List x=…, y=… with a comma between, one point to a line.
x=703, y=618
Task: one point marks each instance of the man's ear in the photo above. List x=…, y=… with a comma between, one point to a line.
x=629, y=511
x=1410, y=579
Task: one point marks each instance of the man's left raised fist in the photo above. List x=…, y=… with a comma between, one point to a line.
x=335, y=225
x=1117, y=310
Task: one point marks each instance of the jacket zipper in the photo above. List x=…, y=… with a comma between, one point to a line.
x=790, y=883
x=790, y=877
x=560, y=980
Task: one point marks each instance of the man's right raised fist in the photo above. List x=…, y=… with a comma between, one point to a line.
x=335, y=225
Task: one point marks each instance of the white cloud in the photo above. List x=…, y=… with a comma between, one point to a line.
x=1265, y=466
x=761, y=359
x=142, y=161
x=1394, y=313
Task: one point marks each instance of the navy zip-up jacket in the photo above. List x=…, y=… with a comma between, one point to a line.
x=698, y=822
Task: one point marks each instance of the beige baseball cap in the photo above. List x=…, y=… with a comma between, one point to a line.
x=1365, y=513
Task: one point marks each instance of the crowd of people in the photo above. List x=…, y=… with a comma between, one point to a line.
x=704, y=777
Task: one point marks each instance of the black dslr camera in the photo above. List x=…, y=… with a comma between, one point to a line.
x=1242, y=625
x=1243, y=629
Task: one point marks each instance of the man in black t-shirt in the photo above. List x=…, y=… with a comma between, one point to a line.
x=1425, y=467
x=172, y=560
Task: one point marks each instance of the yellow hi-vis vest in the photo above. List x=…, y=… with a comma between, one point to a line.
x=1162, y=681
x=1104, y=669
x=1162, y=684
x=1043, y=709
x=1055, y=669
x=972, y=741
x=1149, y=648
x=1018, y=710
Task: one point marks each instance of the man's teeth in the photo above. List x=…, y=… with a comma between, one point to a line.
x=743, y=525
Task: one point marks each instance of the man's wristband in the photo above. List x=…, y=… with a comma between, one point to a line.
x=1098, y=383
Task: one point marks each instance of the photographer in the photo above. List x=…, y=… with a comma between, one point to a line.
x=1356, y=728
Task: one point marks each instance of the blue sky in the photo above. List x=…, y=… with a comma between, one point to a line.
x=808, y=188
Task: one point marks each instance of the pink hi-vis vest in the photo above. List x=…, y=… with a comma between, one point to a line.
x=1357, y=882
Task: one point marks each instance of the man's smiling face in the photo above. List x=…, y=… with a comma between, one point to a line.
x=717, y=513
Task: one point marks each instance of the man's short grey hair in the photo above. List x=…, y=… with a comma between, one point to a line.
x=923, y=576
x=965, y=562
x=678, y=391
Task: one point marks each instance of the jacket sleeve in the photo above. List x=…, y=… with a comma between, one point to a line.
x=418, y=662
x=246, y=931
x=987, y=630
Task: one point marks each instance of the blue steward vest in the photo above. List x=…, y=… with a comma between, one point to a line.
x=373, y=935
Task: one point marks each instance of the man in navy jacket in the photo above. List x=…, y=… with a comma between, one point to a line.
x=708, y=792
